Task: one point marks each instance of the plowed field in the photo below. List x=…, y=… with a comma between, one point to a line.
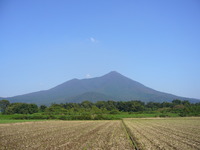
x=146, y=134
x=66, y=135
x=165, y=133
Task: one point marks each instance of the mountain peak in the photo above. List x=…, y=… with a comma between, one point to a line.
x=113, y=73
x=113, y=86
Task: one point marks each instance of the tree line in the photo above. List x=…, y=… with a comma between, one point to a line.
x=183, y=108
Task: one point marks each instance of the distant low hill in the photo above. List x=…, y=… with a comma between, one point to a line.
x=112, y=86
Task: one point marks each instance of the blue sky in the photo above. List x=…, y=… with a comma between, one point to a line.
x=44, y=43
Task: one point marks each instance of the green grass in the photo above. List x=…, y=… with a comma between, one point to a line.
x=142, y=115
x=39, y=117
x=9, y=119
x=15, y=121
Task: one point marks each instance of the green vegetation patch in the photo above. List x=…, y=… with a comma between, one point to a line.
x=101, y=110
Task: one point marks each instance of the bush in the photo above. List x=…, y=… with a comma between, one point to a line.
x=65, y=117
x=82, y=117
x=163, y=115
x=114, y=112
x=33, y=117
x=182, y=114
x=99, y=117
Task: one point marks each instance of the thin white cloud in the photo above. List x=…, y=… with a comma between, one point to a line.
x=87, y=76
x=93, y=40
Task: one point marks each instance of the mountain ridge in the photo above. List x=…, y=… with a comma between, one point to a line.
x=111, y=86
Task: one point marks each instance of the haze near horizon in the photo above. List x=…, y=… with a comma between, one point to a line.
x=45, y=43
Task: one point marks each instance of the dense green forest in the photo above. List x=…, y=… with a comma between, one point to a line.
x=99, y=110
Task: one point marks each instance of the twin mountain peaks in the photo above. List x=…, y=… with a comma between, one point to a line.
x=112, y=86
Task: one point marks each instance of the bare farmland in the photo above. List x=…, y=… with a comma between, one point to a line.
x=64, y=135
x=165, y=133
x=149, y=133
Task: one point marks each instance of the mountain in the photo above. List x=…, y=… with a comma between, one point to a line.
x=112, y=86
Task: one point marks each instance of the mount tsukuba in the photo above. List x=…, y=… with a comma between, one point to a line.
x=112, y=86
